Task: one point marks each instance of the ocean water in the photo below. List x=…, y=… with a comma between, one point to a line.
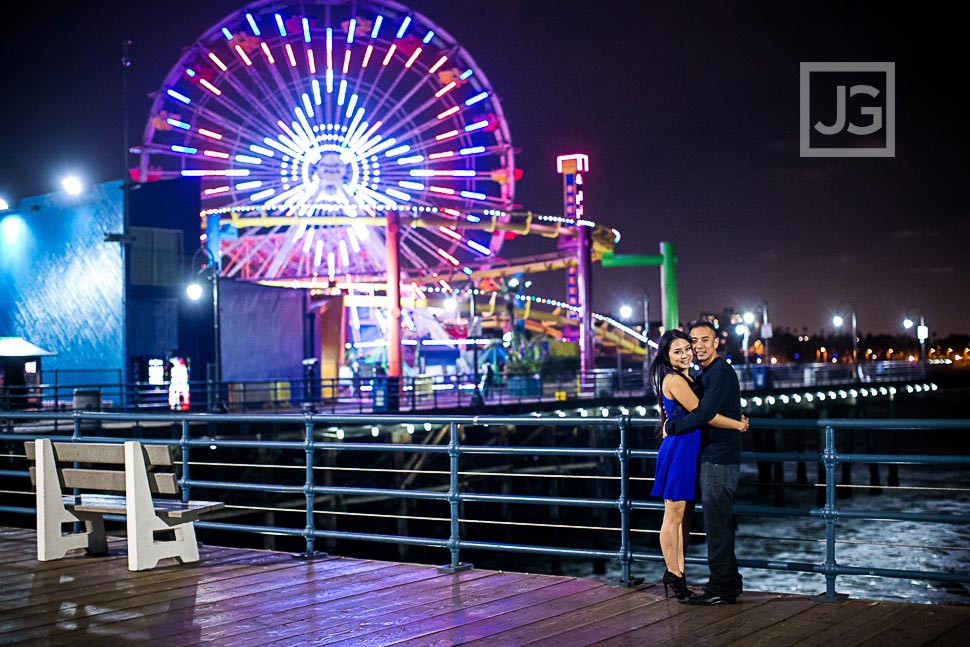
x=864, y=543
x=905, y=545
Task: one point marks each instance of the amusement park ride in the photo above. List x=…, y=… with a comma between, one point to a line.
x=354, y=149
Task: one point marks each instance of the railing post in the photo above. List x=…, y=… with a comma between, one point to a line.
x=75, y=437
x=310, y=450
x=184, y=443
x=626, y=551
x=830, y=514
x=454, y=501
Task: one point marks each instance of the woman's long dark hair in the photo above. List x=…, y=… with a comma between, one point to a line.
x=661, y=367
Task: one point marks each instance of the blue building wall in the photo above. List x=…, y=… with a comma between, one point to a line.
x=61, y=284
x=62, y=287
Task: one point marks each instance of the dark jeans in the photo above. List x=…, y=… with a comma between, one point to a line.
x=718, y=483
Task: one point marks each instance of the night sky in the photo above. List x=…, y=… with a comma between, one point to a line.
x=689, y=113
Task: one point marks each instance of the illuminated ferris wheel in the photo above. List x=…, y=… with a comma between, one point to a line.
x=308, y=122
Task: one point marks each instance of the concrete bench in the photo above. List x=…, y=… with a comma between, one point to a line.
x=95, y=469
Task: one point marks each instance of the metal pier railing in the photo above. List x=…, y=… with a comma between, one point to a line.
x=104, y=390
x=338, y=473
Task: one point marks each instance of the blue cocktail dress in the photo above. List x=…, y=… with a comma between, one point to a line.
x=676, y=476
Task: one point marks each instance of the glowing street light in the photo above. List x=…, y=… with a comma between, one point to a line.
x=837, y=321
x=194, y=291
x=626, y=311
x=210, y=268
x=745, y=331
x=766, y=332
x=922, y=331
x=4, y=205
x=72, y=185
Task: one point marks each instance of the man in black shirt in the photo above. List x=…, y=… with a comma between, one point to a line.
x=720, y=463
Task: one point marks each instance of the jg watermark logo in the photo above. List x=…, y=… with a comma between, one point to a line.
x=847, y=110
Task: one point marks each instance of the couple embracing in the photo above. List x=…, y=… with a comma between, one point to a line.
x=700, y=420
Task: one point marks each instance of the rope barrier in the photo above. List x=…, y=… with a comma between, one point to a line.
x=645, y=531
x=916, y=488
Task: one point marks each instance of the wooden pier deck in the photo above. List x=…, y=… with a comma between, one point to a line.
x=245, y=597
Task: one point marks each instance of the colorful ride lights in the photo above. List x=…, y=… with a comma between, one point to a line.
x=178, y=96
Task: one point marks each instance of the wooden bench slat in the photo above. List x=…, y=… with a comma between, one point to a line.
x=160, y=455
x=113, y=504
x=111, y=480
x=100, y=503
x=185, y=510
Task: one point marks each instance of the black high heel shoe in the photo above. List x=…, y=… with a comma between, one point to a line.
x=678, y=583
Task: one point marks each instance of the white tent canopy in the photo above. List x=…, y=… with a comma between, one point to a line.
x=20, y=347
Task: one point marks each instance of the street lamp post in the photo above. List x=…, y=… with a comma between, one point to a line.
x=922, y=332
x=744, y=331
x=626, y=312
x=766, y=332
x=748, y=318
x=471, y=330
x=646, y=335
x=837, y=321
x=211, y=270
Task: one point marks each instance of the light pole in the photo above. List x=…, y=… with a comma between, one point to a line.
x=837, y=321
x=744, y=331
x=626, y=311
x=646, y=335
x=766, y=331
x=922, y=332
x=211, y=269
x=472, y=330
x=748, y=319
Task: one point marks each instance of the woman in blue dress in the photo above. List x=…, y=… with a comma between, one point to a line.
x=676, y=475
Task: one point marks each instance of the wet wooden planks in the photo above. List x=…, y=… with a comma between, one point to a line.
x=250, y=597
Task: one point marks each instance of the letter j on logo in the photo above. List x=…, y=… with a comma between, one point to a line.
x=847, y=110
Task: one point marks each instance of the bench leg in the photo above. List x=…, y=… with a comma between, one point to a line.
x=144, y=552
x=97, y=538
x=188, y=546
x=52, y=543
